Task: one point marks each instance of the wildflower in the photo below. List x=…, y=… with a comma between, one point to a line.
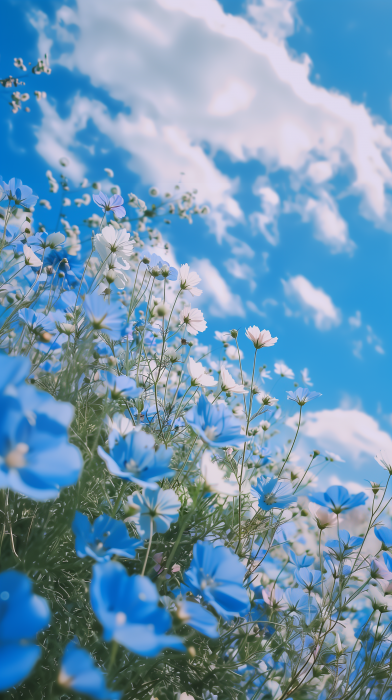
x=217, y=574
x=127, y=608
x=229, y=385
x=193, y=319
x=379, y=571
x=134, y=458
x=265, y=398
x=385, y=463
x=67, y=266
x=323, y=517
x=79, y=673
x=122, y=387
x=273, y=596
x=30, y=257
x=233, y=353
x=160, y=269
x=194, y=615
x=189, y=281
x=344, y=546
x=305, y=377
x=199, y=375
x=104, y=539
x=308, y=578
x=215, y=479
x=47, y=240
x=112, y=240
x=260, y=339
x=335, y=566
x=264, y=374
x=273, y=493
x=297, y=601
x=18, y=193
x=300, y=560
x=113, y=204
x=384, y=534
x=302, y=396
x=37, y=323
x=337, y=499
x=283, y=371
x=22, y=616
x=109, y=318
x=216, y=425
x=156, y=508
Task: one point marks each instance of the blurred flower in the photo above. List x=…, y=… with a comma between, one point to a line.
x=265, y=398
x=112, y=240
x=384, y=534
x=323, y=517
x=217, y=574
x=335, y=566
x=302, y=396
x=264, y=374
x=30, y=257
x=305, y=377
x=308, y=578
x=127, y=608
x=113, y=204
x=161, y=269
x=199, y=375
x=214, y=477
x=283, y=371
x=109, y=318
x=384, y=462
x=273, y=493
x=222, y=337
x=104, y=539
x=233, y=353
x=300, y=560
x=122, y=386
x=79, y=673
x=18, y=193
x=134, y=458
x=189, y=281
x=260, y=339
x=193, y=319
x=22, y=616
x=37, y=323
x=194, y=615
x=216, y=425
x=337, y=499
x=154, y=507
x=378, y=570
x=228, y=384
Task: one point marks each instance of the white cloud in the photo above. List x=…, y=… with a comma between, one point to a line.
x=266, y=221
x=192, y=76
x=350, y=433
x=355, y=321
x=241, y=271
x=254, y=308
x=314, y=302
x=216, y=292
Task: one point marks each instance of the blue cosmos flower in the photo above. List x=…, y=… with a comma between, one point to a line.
x=18, y=193
x=113, y=204
x=36, y=458
x=337, y=499
x=22, y=616
x=384, y=534
x=122, y=386
x=134, y=458
x=36, y=322
x=157, y=263
x=273, y=493
x=335, y=567
x=79, y=673
x=156, y=508
x=127, y=608
x=109, y=318
x=217, y=574
x=344, y=546
x=67, y=301
x=194, y=615
x=308, y=578
x=42, y=241
x=300, y=560
x=66, y=266
x=216, y=425
x=301, y=602
x=302, y=396
x=104, y=539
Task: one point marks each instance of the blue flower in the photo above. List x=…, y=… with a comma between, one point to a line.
x=65, y=266
x=217, y=574
x=44, y=240
x=300, y=560
x=127, y=608
x=160, y=269
x=22, y=616
x=308, y=578
x=113, y=204
x=301, y=602
x=302, y=396
x=216, y=425
x=344, y=546
x=67, y=301
x=79, y=672
x=36, y=322
x=122, y=386
x=337, y=499
x=194, y=615
x=156, y=508
x=335, y=567
x=19, y=193
x=102, y=540
x=273, y=493
x=36, y=458
x=134, y=458
x=384, y=534
x=109, y=318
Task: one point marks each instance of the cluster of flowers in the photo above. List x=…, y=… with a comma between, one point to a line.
x=156, y=539
x=18, y=98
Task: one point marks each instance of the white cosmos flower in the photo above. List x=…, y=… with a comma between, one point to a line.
x=193, y=319
x=30, y=257
x=215, y=478
x=260, y=339
x=323, y=517
x=228, y=383
x=284, y=371
x=112, y=240
x=264, y=374
x=199, y=375
x=121, y=424
x=232, y=353
x=189, y=280
x=384, y=461
x=305, y=377
x=265, y=398
x=113, y=271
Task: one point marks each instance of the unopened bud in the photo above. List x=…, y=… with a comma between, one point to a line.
x=234, y=333
x=146, y=260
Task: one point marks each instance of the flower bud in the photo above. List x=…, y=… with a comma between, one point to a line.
x=234, y=333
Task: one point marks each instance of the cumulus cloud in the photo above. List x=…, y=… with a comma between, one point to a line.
x=241, y=271
x=329, y=225
x=351, y=433
x=237, y=89
x=266, y=220
x=216, y=292
x=314, y=302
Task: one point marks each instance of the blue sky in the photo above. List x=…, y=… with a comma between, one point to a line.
x=279, y=114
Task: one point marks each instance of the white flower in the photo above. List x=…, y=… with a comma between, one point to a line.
x=260, y=339
x=215, y=479
x=109, y=172
x=232, y=353
x=264, y=425
x=199, y=375
x=384, y=462
x=30, y=257
x=284, y=371
x=265, y=398
x=228, y=383
x=323, y=517
x=305, y=377
x=160, y=310
x=111, y=240
x=121, y=424
x=264, y=374
x=189, y=280
x=113, y=271
x=193, y=319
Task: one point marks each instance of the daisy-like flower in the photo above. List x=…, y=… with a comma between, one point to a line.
x=272, y=492
x=111, y=240
x=229, y=384
x=302, y=396
x=283, y=371
x=199, y=375
x=113, y=204
x=215, y=478
x=114, y=271
x=30, y=257
x=264, y=374
x=305, y=377
x=265, y=398
x=193, y=319
x=154, y=508
x=260, y=339
x=384, y=462
x=189, y=281
x=323, y=517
